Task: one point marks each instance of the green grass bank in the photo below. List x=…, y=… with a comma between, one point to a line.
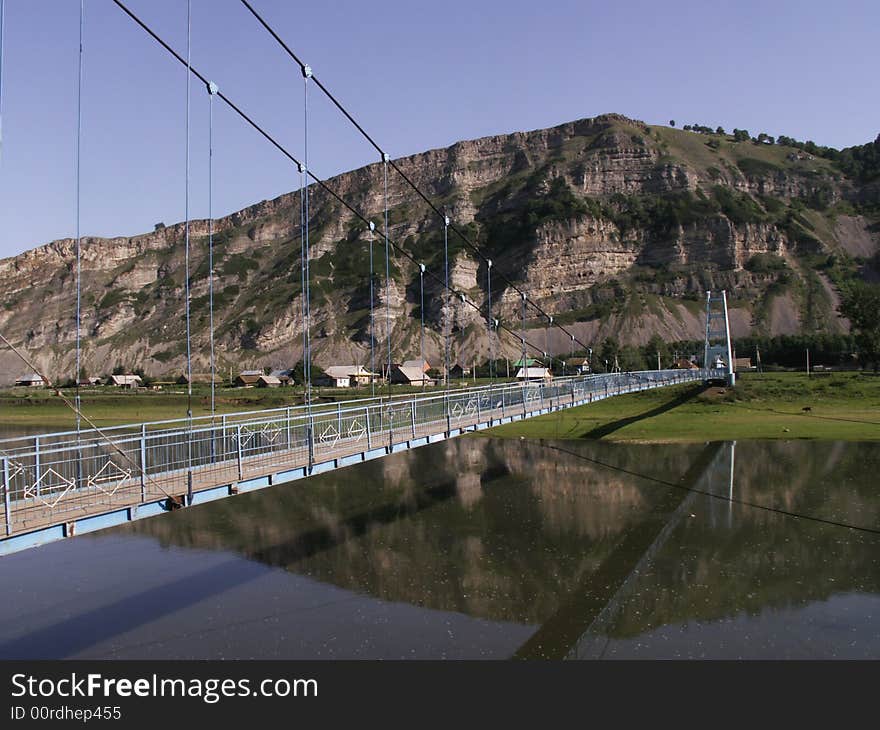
x=843, y=406
x=840, y=406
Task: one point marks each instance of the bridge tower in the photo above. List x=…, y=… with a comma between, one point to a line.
x=717, y=352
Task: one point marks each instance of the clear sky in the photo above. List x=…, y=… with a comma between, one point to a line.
x=418, y=75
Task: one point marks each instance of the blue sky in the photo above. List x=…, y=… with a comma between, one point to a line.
x=417, y=75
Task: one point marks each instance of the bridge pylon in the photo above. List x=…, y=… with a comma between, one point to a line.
x=718, y=351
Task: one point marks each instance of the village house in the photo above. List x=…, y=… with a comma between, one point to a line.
x=684, y=364
x=579, y=365
x=534, y=375
x=248, y=378
x=30, y=381
x=126, y=380
x=361, y=376
x=268, y=381
x=403, y=375
x=336, y=376
x=346, y=376
x=285, y=376
x=423, y=365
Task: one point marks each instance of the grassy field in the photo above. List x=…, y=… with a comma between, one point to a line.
x=42, y=409
x=843, y=406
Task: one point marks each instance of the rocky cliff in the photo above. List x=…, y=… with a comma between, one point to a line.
x=615, y=226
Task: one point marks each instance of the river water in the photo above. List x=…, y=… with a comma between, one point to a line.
x=484, y=548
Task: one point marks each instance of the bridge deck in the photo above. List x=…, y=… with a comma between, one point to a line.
x=39, y=512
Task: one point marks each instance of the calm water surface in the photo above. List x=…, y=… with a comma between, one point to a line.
x=482, y=548
x=9, y=432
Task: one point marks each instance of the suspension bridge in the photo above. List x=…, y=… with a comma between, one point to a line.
x=61, y=484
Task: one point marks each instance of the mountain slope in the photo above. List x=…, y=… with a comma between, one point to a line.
x=615, y=226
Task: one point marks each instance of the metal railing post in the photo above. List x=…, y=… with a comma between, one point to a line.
x=238, y=450
x=311, y=440
x=289, y=434
x=339, y=419
x=390, y=427
x=143, y=451
x=37, y=464
x=448, y=418
x=225, y=438
x=6, y=505
x=369, y=430
x=412, y=404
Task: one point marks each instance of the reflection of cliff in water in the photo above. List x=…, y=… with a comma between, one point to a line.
x=735, y=559
x=506, y=530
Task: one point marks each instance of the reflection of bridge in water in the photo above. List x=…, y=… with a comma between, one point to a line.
x=59, y=485
x=578, y=629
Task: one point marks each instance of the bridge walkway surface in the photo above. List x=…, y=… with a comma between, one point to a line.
x=60, y=485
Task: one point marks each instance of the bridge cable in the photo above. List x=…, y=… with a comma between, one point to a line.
x=307, y=364
x=302, y=266
x=212, y=92
x=490, y=320
x=476, y=249
x=388, y=326
x=186, y=224
x=78, y=208
x=446, y=294
x=524, y=362
x=2, y=24
x=372, y=227
x=189, y=412
x=547, y=338
x=309, y=174
x=422, y=329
